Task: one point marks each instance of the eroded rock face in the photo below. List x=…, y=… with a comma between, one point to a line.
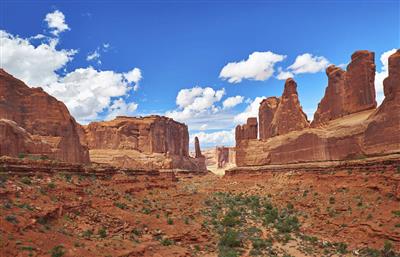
x=153, y=142
x=383, y=132
x=42, y=116
x=152, y=134
x=356, y=132
x=197, y=148
x=266, y=114
x=289, y=115
x=247, y=131
x=348, y=91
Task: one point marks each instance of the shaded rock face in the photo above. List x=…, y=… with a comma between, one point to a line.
x=348, y=91
x=266, y=114
x=42, y=116
x=225, y=156
x=366, y=132
x=289, y=115
x=153, y=142
x=197, y=148
x=383, y=131
x=152, y=134
x=247, y=131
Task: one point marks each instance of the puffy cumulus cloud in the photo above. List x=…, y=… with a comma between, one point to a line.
x=307, y=63
x=283, y=75
x=196, y=101
x=121, y=107
x=35, y=65
x=258, y=66
x=87, y=92
x=56, y=22
x=250, y=111
x=382, y=74
x=134, y=76
x=221, y=138
x=232, y=101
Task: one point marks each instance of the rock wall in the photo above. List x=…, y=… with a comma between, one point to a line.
x=359, y=131
x=153, y=142
x=266, y=114
x=41, y=116
x=247, y=131
x=348, y=91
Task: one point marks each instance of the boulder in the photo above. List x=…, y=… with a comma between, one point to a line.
x=42, y=116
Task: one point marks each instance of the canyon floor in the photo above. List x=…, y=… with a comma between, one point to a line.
x=349, y=211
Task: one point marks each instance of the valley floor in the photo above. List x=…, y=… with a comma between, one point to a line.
x=346, y=212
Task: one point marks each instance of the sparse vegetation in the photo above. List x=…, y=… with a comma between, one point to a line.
x=57, y=251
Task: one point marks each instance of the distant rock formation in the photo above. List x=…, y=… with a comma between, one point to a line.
x=266, y=114
x=197, y=148
x=39, y=119
x=348, y=91
x=152, y=142
x=247, y=131
x=346, y=124
x=225, y=156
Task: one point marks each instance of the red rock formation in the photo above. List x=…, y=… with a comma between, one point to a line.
x=152, y=134
x=383, y=131
x=247, y=131
x=289, y=115
x=152, y=142
x=266, y=114
x=357, y=135
x=41, y=115
x=225, y=156
x=197, y=148
x=348, y=91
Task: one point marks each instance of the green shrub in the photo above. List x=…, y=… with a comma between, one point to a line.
x=26, y=180
x=120, y=205
x=11, y=219
x=57, y=251
x=170, y=221
x=230, y=239
x=102, y=232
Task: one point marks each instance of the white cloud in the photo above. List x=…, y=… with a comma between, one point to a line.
x=307, y=63
x=94, y=56
x=134, y=76
x=232, y=101
x=87, y=92
x=250, y=111
x=283, y=75
x=221, y=138
x=56, y=22
x=120, y=107
x=258, y=66
x=382, y=74
x=35, y=65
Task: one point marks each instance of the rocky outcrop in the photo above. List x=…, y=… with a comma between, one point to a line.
x=266, y=114
x=289, y=115
x=383, y=132
x=225, y=156
x=40, y=116
x=152, y=134
x=197, y=148
x=349, y=91
x=247, y=131
x=362, y=133
x=152, y=142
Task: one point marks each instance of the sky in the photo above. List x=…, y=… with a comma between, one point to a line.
x=205, y=63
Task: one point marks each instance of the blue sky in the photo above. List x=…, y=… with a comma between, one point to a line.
x=180, y=45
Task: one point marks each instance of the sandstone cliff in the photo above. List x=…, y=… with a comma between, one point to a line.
x=266, y=114
x=41, y=116
x=347, y=132
x=348, y=91
x=225, y=156
x=247, y=131
x=152, y=142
